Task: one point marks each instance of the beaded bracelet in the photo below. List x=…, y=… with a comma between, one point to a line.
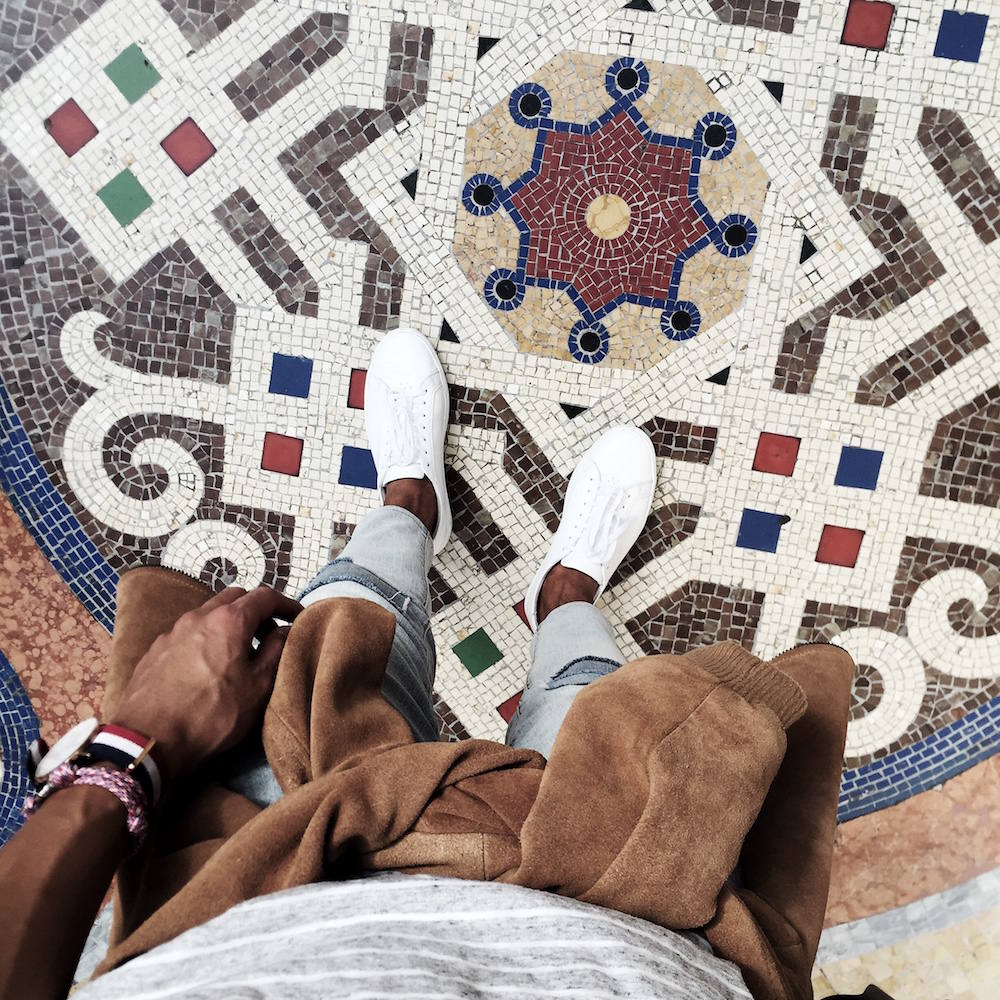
x=121, y=784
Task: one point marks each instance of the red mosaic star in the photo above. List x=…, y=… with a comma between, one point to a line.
x=651, y=179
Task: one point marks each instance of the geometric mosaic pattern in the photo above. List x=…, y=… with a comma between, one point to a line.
x=610, y=210
x=210, y=212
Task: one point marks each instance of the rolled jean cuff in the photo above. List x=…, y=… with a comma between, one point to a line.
x=569, y=632
x=393, y=545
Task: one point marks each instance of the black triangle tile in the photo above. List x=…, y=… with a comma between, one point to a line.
x=639, y=5
x=485, y=44
x=808, y=249
x=572, y=411
x=719, y=378
x=447, y=333
x=777, y=89
x=409, y=182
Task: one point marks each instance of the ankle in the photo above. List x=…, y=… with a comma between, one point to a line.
x=563, y=585
x=415, y=495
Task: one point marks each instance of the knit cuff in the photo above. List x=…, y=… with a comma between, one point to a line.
x=753, y=680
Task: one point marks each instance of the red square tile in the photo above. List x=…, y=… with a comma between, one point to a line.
x=509, y=707
x=839, y=546
x=776, y=453
x=281, y=453
x=867, y=24
x=519, y=608
x=70, y=127
x=188, y=146
x=356, y=390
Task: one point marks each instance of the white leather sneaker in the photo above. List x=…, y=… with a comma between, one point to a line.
x=406, y=417
x=607, y=502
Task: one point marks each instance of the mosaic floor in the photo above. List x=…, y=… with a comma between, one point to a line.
x=764, y=230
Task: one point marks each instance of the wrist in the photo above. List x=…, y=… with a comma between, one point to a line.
x=102, y=795
x=170, y=749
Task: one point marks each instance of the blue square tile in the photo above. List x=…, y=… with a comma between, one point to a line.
x=858, y=467
x=960, y=36
x=357, y=468
x=759, y=530
x=290, y=376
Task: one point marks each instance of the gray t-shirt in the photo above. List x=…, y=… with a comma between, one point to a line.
x=418, y=936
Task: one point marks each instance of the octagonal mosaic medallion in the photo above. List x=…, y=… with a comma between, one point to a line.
x=609, y=210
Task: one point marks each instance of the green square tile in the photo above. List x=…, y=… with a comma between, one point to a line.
x=125, y=197
x=132, y=73
x=477, y=652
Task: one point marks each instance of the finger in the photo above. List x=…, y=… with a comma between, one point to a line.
x=267, y=603
x=267, y=626
x=267, y=656
x=224, y=597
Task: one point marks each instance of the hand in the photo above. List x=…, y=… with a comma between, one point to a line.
x=200, y=688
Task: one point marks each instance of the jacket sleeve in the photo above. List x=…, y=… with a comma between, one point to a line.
x=788, y=853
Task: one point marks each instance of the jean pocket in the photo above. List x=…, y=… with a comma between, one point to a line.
x=581, y=671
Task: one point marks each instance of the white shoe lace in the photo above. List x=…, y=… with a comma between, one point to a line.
x=403, y=445
x=607, y=522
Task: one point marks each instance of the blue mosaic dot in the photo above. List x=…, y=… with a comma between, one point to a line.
x=529, y=105
x=626, y=79
x=715, y=135
x=482, y=194
x=504, y=289
x=680, y=320
x=960, y=36
x=734, y=236
x=589, y=342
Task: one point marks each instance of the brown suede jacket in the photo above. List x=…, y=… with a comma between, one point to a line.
x=665, y=774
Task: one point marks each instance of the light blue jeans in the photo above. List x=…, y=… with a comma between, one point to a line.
x=386, y=561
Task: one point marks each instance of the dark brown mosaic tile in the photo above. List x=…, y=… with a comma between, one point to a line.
x=962, y=168
x=382, y=290
x=340, y=536
x=219, y=573
x=681, y=440
x=698, y=614
x=313, y=165
x=441, y=593
x=866, y=691
x=849, y=129
x=534, y=475
x=287, y=63
x=172, y=319
x=268, y=253
x=664, y=528
x=29, y=31
x=475, y=528
x=771, y=15
x=909, y=265
x=963, y=459
x=921, y=361
x=451, y=729
x=202, y=20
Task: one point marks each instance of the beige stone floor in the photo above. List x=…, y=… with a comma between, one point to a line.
x=960, y=963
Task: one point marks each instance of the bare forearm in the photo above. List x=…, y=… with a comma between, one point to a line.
x=54, y=872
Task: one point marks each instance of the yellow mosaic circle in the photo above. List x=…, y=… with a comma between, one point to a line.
x=608, y=216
